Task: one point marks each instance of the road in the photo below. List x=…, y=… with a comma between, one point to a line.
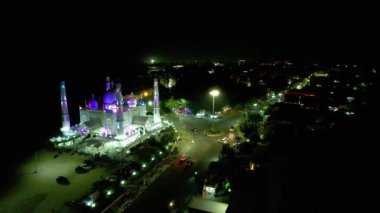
x=178, y=182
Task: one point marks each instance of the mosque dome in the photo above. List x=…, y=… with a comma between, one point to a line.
x=110, y=98
x=131, y=102
x=93, y=104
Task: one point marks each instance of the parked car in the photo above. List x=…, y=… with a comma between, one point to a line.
x=73, y=203
x=175, y=150
x=89, y=163
x=62, y=180
x=188, y=163
x=112, y=178
x=182, y=158
x=80, y=170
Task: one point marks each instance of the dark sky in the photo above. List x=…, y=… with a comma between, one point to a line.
x=194, y=30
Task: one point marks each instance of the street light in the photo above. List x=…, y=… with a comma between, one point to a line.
x=213, y=93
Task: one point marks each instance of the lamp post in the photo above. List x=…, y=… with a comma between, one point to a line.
x=35, y=162
x=213, y=93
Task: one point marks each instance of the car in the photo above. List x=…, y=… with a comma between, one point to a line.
x=182, y=158
x=223, y=140
x=133, y=166
x=188, y=163
x=194, y=130
x=80, y=170
x=62, y=180
x=73, y=203
x=175, y=150
x=112, y=178
x=88, y=164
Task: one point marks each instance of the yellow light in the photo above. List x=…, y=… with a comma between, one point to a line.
x=251, y=166
x=145, y=94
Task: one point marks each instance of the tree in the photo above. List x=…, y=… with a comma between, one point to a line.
x=250, y=126
x=170, y=104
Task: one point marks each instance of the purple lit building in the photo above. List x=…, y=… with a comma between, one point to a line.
x=116, y=116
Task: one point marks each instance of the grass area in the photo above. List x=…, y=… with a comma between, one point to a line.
x=39, y=192
x=214, y=132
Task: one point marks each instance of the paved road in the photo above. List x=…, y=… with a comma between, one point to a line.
x=178, y=183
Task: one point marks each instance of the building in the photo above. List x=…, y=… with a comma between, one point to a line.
x=120, y=117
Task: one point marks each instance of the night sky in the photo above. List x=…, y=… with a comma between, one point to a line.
x=107, y=39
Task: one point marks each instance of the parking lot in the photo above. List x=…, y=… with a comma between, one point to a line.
x=39, y=192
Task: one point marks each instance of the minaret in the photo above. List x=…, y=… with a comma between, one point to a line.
x=156, y=103
x=105, y=122
x=112, y=84
x=142, y=106
x=120, y=111
x=108, y=83
x=65, y=111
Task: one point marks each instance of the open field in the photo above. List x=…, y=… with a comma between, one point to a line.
x=39, y=192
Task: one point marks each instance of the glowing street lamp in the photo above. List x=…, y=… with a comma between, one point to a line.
x=213, y=93
x=152, y=61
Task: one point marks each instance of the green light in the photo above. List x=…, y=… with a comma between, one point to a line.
x=160, y=153
x=152, y=61
x=134, y=173
x=144, y=165
x=152, y=158
x=150, y=103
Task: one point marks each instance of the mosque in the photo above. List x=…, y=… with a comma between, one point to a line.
x=119, y=117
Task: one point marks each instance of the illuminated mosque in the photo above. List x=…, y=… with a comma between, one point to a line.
x=119, y=117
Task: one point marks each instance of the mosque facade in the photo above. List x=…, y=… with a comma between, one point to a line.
x=115, y=116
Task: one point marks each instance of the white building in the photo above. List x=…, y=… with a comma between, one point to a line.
x=116, y=116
